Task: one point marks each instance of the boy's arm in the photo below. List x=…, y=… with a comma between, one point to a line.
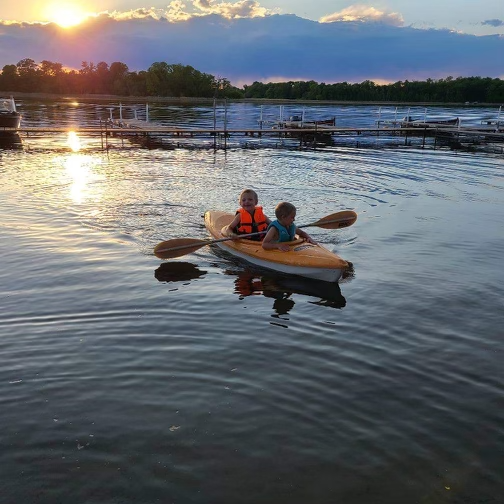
x=270, y=243
x=229, y=230
x=305, y=235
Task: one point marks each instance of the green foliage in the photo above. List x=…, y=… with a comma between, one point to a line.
x=461, y=89
x=161, y=79
x=177, y=80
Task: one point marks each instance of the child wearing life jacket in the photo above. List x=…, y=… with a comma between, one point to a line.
x=249, y=218
x=283, y=229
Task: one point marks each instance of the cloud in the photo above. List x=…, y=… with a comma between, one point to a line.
x=363, y=13
x=493, y=22
x=141, y=13
x=177, y=11
x=263, y=48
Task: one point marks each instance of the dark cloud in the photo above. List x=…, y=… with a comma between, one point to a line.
x=493, y=22
x=270, y=48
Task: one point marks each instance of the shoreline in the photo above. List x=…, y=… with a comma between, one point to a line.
x=191, y=100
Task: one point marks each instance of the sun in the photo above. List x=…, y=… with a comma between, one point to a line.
x=65, y=14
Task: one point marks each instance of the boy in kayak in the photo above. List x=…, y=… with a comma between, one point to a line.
x=283, y=229
x=249, y=218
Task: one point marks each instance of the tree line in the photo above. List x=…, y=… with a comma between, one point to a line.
x=161, y=79
x=449, y=90
x=176, y=80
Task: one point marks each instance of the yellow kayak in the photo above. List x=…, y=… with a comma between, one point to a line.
x=304, y=259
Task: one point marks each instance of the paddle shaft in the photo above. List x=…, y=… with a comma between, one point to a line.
x=209, y=242
x=323, y=222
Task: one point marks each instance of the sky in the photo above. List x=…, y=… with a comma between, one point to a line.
x=268, y=40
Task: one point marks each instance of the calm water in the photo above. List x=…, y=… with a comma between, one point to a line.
x=125, y=379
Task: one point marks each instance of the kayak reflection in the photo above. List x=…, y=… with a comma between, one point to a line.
x=281, y=288
x=256, y=283
x=178, y=272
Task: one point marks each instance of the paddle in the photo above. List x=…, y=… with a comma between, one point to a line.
x=182, y=246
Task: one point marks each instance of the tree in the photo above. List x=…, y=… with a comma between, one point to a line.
x=157, y=79
x=102, y=78
x=9, y=78
x=118, y=74
x=51, y=77
x=27, y=70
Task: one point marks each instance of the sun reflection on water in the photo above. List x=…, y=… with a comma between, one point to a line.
x=80, y=169
x=74, y=141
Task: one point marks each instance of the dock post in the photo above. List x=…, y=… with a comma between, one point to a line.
x=106, y=137
x=214, y=124
x=225, y=123
x=261, y=121
x=378, y=129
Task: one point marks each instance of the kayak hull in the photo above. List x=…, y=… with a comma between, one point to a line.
x=304, y=259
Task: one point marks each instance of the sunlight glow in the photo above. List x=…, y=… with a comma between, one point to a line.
x=80, y=173
x=73, y=141
x=65, y=14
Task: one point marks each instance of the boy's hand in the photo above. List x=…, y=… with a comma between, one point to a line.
x=309, y=239
x=229, y=234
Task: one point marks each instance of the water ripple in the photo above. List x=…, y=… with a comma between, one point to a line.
x=124, y=377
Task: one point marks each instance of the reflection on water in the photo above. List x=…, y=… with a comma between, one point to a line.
x=74, y=141
x=177, y=272
x=79, y=169
x=256, y=281
x=247, y=283
x=281, y=288
x=10, y=141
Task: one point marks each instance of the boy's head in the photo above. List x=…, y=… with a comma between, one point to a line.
x=284, y=210
x=248, y=199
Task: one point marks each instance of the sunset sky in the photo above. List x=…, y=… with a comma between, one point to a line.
x=481, y=17
x=246, y=40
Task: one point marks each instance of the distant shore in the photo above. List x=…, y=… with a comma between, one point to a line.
x=190, y=100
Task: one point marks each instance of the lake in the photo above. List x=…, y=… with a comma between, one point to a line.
x=127, y=379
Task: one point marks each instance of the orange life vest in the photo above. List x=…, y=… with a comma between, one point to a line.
x=249, y=224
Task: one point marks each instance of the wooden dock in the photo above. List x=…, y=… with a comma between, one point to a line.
x=177, y=131
x=149, y=129
x=137, y=129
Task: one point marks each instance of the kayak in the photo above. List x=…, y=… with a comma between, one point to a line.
x=304, y=259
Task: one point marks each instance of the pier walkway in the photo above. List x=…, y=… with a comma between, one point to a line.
x=136, y=129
